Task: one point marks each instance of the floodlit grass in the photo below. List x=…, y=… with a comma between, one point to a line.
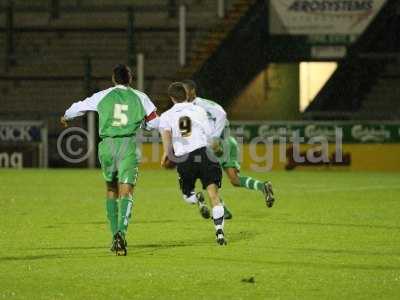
x=330, y=235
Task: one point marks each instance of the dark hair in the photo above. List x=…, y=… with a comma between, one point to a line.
x=190, y=84
x=122, y=74
x=177, y=91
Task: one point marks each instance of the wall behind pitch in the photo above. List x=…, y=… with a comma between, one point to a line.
x=356, y=157
x=259, y=158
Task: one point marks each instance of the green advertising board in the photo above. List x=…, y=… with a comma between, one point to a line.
x=354, y=132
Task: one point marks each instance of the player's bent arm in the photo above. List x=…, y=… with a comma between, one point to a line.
x=166, y=137
x=217, y=113
x=220, y=124
x=152, y=121
x=204, y=121
x=149, y=107
x=213, y=140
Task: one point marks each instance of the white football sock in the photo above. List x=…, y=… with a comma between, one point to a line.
x=218, y=213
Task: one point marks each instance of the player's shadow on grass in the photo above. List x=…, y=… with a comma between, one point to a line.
x=75, y=251
x=154, y=221
x=132, y=247
x=78, y=223
x=240, y=236
x=29, y=257
x=104, y=222
x=70, y=248
x=160, y=246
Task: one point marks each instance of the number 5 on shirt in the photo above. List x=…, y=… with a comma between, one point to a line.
x=120, y=117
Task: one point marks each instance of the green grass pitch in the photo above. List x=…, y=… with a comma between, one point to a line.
x=331, y=235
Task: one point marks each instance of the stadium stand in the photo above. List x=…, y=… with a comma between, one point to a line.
x=66, y=51
x=58, y=48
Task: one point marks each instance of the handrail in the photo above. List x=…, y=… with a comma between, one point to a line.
x=140, y=72
x=54, y=9
x=182, y=35
x=131, y=38
x=172, y=7
x=91, y=118
x=221, y=8
x=88, y=75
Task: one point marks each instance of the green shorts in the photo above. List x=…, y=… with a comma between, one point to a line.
x=118, y=159
x=230, y=156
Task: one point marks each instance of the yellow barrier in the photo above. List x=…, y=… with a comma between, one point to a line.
x=356, y=157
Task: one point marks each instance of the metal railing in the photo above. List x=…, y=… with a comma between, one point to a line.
x=56, y=9
x=10, y=48
x=182, y=35
x=221, y=8
x=131, y=37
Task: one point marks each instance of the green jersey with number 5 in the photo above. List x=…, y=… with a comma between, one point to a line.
x=121, y=111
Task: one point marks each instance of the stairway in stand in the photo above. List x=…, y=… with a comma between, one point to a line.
x=203, y=48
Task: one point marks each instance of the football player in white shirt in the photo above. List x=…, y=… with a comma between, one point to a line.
x=225, y=146
x=185, y=131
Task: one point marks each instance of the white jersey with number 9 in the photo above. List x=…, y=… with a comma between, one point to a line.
x=189, y=126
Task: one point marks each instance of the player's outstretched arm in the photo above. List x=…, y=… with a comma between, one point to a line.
x=79, y=108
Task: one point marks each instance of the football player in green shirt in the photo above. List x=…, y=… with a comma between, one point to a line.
x=121, y=111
